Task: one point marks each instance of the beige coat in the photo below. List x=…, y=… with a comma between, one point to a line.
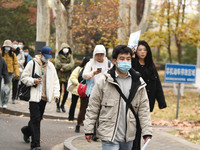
x=73, y=83
x=52, y=82
x=104, y=97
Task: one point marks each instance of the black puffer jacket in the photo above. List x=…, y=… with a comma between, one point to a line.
x=3, y=71
x=154, y=88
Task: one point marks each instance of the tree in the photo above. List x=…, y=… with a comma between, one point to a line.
x=95, y=23
x=60, y=23
x=135, y=16
x=68, y=4
x=198, y=46
x=43, y=21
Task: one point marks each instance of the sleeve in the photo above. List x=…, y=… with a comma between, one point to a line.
x=16, y=66
x=144, y=113
x=74, y=76
x=70, y=66
x=159, y=93
x=22, y=59
x=58, y=64
x=26, y=77
x=93, y=109
x=5, y=72
x=56, y=84
x=88, y=72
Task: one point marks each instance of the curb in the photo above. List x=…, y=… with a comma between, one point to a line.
x=68, y=143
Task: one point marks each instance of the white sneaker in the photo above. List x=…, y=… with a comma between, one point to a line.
x=4, y=106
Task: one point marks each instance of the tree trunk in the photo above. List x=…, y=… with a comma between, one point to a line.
x=60, y=23
x=43, y=21
x=169, y=31
x=198, y=46
x=135, y=16
x=69, y=8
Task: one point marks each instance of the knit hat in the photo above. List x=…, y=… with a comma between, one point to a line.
x=46, y=51
x=7, y=43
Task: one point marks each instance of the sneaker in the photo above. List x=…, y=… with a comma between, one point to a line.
x=4, y=106
x=25, y=137
x=63, y=109
x=13, y=101
x=77, y=130
x=57, y=109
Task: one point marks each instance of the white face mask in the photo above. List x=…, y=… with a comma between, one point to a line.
x=65, y=50
x=15, y=46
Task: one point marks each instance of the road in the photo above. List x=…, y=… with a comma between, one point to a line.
x=53, y=132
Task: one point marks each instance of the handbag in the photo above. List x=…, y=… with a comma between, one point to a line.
x=24, y=93
x=82, y=89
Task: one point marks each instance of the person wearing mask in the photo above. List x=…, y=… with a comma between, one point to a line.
x=112, y=101
x=4, y=75
x=26, y=55
x=13, y=68
x=21, y=59
x=21, y=44
x=143, y=63
x=44, y=87
x=64, y=64
x=94, y=70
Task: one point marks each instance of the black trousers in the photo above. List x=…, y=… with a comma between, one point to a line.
x=63, y=87
x=33, y=128
x=73, y=106
x=15, y=89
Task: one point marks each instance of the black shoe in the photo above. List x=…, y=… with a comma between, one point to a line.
x=36, y=148
x=77, y=130
x=63, y=109
x=57, y=109
x=25, y=137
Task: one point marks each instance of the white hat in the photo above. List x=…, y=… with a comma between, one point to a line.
x=99, y=49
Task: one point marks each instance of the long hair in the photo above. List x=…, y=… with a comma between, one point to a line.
x=148, y=59
x=84, y=61
x=10, y=52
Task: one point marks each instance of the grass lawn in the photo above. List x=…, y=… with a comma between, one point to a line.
x=188, y=122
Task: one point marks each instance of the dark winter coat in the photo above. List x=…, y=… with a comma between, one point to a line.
x=3, y=71
x=154, y=87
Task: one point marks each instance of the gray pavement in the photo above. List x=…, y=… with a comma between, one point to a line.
x=161, y=139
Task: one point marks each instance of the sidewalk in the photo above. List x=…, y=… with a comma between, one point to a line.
x=161, y=139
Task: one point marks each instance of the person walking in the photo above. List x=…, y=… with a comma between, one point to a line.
x=143, y=63
x=13, y=69
x=73, y=86
x=21, y=59
x=94, y=70
x=26, y=55
x=112, y=101
x=44, y=87
x=4, y=75
x=64, y=64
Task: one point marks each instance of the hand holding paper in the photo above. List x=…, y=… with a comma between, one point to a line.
x=134, y=39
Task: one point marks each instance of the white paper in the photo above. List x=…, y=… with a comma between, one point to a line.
x=5, y=89
x=145, y=145
x=134, y=39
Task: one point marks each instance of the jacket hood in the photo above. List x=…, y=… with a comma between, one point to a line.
x=65, y=45
x=99, y=49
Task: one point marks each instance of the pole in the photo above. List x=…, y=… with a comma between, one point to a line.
x=178, y=96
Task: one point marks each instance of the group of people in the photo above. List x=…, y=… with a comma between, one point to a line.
x=14, y=57
x=119, y=95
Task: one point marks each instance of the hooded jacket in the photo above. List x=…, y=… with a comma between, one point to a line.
x=52, y=82
x=106, y=101
x=64, y=61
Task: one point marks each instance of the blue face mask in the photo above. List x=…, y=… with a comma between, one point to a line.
x=7, y=48
x=124, y=66
x=25, y=54
x=44, y=59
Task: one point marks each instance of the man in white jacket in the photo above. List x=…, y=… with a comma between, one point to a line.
x=44, y=87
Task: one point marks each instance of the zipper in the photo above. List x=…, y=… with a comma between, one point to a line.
x=116, y=120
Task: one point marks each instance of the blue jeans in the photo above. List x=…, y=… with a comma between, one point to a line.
x=5, y=97
x=116, y=145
